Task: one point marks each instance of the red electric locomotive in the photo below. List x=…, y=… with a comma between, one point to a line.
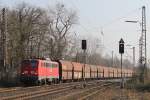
x=39, y=71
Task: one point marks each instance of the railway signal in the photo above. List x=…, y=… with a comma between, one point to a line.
x=121, y=51
x=84, y=44
x=121, y=46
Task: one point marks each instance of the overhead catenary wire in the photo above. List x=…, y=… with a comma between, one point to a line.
x=120, y=18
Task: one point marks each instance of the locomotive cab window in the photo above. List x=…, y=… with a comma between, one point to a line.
x=48, y=65
x=25, y=63
x=54, y=65
x=44, y=64
x=33, y=63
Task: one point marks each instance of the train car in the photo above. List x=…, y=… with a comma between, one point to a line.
x=70, y=71
x=65, y=71
x=78, y=71
x=39, y=71
x=74, y=71
x=87, y=71
x=115, y=72
x=100, y=72
x=130, y=73
x=110, y=72
x=106, y=72
x=93, y=71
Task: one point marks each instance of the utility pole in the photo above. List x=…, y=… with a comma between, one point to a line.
x=133, y=56
x=142, y=47
x=112, y=58
x=3, y=52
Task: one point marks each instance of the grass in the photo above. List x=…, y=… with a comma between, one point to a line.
x=137, y=85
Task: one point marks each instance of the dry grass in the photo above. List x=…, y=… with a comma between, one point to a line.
x=124, y=94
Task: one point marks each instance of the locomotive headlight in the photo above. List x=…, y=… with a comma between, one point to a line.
x=25, y=72
x=34, y=72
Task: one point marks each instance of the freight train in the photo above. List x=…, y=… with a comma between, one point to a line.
x=46, y=71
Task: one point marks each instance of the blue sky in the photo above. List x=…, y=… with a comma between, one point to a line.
x=106, y=15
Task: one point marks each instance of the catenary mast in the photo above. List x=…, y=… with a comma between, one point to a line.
x=142, y=46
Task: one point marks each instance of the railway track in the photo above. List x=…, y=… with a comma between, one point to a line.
x=63, y=93
x=22, y=90
x=14, y=89
x=7, y=89
x=85, y=94
x=32, y=92
x=18, y=90
x=3, y=90
x=42, y=92
x=93, y=91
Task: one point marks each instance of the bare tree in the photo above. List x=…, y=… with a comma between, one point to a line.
x=26, y=29
x=61, y=22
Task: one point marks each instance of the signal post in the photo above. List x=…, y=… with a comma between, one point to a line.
x=121, y=51
x=84, y=47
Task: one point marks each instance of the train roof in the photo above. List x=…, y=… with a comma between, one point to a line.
x=42, y=60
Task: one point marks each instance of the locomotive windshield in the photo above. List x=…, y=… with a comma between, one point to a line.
x=29, y=63
x=33, y=63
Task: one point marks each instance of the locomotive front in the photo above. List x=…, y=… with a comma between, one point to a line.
x=29, y=71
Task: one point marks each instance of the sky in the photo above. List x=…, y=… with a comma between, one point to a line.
x=104, y=19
